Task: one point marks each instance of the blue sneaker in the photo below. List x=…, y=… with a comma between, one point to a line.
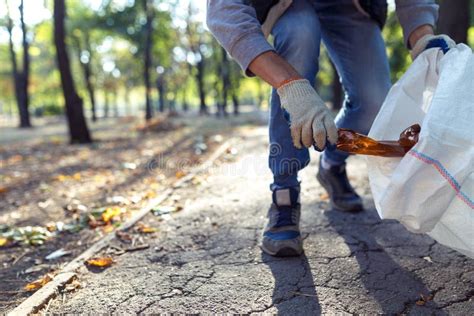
x=281, y=236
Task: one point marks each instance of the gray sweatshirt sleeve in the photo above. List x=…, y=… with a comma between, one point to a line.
x=415, y=13
x=235, y=26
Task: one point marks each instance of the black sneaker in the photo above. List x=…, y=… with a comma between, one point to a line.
x=281, y=236
x=341, y=194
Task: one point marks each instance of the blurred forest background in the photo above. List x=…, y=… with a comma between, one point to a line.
x=113, y=58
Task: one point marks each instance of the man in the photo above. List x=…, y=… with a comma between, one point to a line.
x=299, y=119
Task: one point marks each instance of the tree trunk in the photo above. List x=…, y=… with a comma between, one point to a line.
x=78, y=131
x=219, y=91
x=336, y=89
x=126, y=97
x=219, y=100
x=87, y=72
x=21, y=87
x=148, y=61
x=115, y=104
x=90, y=89
x=261, y=94
x=225, y=80
x=185, y=101
x=235, y=102
x=25, y=76
x=172, y=103
x=106, y=103
x=454, y=19
x=235, y=77
x=195, y=42
x=201, y=89
x=160, y=86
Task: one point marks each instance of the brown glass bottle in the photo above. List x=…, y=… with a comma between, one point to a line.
x=355, y=143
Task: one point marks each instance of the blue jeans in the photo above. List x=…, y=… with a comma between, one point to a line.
x=355, y=46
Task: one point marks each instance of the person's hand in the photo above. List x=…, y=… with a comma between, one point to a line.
x=311, y=121
x=444, y=42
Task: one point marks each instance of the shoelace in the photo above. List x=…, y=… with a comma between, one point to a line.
x=286, y=216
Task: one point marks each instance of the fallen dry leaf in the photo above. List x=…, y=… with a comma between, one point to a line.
x=420, y=302
x=14, y=159
x=145, y=229
x=179, y=174
x=108, y=228
x=74, y=285
x=138, y=247
x=61, y=178
x=149, y=195
x=424, y=299
x=39, y=283
x=92, y=222
x=4, y=241
x=51, y=227
x=3, y=189
x=123, y=236
x=110, y=213
x=102, y=262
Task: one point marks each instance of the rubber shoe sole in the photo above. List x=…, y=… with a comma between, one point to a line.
x=284, y=252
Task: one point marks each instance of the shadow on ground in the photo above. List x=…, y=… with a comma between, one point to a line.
x=291, y=276
x=395, y=288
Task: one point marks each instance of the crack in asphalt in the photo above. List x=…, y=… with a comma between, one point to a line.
x=467, y=298
x=148, y=305
x=123, y=301
x=196, y=258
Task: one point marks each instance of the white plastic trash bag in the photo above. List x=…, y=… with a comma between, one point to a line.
x=431, y=189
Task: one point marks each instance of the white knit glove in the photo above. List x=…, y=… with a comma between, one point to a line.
x=311, y=121
x=443, y=42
